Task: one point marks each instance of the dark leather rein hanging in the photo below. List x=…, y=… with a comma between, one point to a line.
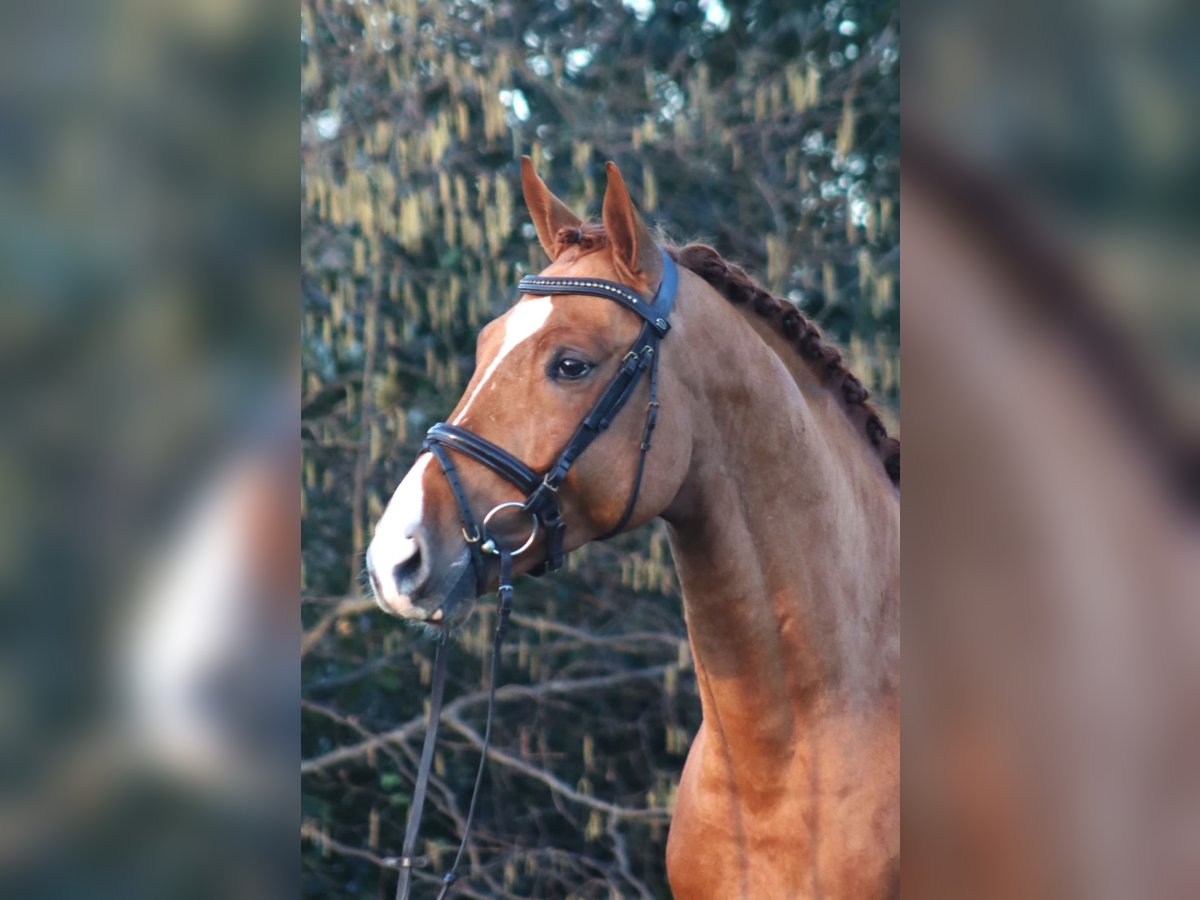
x=541, y=503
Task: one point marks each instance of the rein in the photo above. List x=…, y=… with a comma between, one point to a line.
x=542, y=505
x=406, y=862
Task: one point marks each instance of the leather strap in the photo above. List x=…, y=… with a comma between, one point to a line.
x=598, y=419
x=503, y=608
x=655, y=311
x=406, y=862
x=643, y=449
x=481, y=450
x=471, y=530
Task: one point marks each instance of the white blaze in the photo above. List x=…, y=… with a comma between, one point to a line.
x=393, y=542
x=525, y=320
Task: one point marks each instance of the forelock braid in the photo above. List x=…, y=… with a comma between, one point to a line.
x=587, y=236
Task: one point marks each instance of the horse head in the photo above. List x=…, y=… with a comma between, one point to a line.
x=493, y=477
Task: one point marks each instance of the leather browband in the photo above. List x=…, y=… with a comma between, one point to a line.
x=655, y=311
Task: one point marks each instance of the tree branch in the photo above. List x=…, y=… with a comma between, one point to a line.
x=507, y=692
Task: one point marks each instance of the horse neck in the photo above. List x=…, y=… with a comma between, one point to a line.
x=785, y=537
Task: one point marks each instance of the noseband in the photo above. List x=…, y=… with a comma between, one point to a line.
x=541, y=491
x=541, y=503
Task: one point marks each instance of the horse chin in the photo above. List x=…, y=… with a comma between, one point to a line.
x=451, y=605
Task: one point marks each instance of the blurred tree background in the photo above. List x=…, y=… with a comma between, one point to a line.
x=769, y=129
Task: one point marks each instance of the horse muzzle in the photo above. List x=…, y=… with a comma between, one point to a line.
x=416, y=579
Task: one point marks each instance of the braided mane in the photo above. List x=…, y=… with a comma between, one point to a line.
x=733, y=282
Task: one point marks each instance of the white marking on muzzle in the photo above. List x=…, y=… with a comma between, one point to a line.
x=393, y=542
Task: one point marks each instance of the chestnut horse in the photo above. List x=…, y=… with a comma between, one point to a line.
x=779, y=487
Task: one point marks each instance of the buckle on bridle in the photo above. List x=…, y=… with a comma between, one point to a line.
x=468, y=538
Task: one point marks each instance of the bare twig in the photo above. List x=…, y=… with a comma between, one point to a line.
x=622, y=856
x=347, y=607
x=557, y=785
x=507, y=692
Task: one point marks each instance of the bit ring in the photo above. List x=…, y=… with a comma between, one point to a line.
x=489, y=545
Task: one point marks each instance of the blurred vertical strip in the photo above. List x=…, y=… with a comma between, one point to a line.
x=149, y=454
x=1050, y=335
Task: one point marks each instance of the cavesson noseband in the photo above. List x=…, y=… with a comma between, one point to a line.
x=541, y=503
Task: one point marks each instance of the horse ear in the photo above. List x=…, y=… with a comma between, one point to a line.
x=634, y=250
x=548, y=212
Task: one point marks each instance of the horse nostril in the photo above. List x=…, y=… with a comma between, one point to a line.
x=407, y=572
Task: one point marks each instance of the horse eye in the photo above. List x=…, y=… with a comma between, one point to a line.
x=571, y=369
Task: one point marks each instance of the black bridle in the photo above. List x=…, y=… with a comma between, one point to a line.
x=541, y=491
x=541, y=503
